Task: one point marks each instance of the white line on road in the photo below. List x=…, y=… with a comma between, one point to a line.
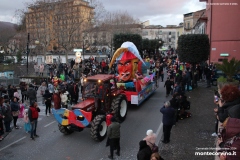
x=49, y=124
x=159, y=128
x=12, y=143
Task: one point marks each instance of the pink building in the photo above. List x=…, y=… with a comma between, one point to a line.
x=223, y=28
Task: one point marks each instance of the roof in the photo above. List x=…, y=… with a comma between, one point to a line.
x=102, y=77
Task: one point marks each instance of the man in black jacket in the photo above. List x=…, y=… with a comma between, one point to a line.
x=32, y=94
x=168, y=121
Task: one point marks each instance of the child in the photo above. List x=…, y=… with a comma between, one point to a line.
x=27, y=125
x=22, y=107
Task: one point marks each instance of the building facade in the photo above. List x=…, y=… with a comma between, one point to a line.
x=190, y=19
x=169, y=34
x=58, y=25
x=223, y=29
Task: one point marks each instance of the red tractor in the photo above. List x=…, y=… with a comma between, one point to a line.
x=101, y=99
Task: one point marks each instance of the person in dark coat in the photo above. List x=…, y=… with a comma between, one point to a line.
x=10, y=91
x=168, y=84
x=15, y=108
x=57, y=100
x=7, y=112
x=144, y=152
x=175, y=104
x=48, y=99
x=168, y=121
x=32, y=94
x=113, y=133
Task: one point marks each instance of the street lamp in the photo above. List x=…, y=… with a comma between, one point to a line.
x=28, y=50
x=28, y=40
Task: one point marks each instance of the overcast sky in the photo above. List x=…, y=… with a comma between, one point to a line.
x=158, y=12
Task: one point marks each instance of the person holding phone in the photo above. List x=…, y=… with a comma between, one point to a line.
x=229, y=103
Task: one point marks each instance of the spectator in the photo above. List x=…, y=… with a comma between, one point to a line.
x=1, y=118
x=168, y=84
x=150, y=138
x=41, y=70
x=15, y=111
x=42, y=89
x=32, y=94
x=23, y=89
x=33, y=118
x=57, y=100
x=168, y=121
x=229, y=140
x=7, y=112
x=16, y=94
x=144, y=152
x=36, y=68
x=113, y=133
x=229, y=104
x=48, y=99
x=10, y=91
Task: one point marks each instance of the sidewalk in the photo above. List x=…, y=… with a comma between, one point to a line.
x=193, y=134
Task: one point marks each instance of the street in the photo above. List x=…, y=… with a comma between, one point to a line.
x=52, y=144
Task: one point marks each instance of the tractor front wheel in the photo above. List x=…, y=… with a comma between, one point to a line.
x=120, y=107
x=65, y=130
x=99, y=128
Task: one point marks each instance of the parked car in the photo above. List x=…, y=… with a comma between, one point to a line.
x=218, y=73
x=215, y=75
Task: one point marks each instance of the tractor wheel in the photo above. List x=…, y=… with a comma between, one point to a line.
x=65, y=130
x=120, y=107
x=99, y=128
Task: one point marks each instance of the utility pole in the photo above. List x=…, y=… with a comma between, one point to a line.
x=28, y=38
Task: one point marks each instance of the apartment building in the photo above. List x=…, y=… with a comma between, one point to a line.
x=169, y=34
x=223, y=25
x=58, y=25
x=190, y=19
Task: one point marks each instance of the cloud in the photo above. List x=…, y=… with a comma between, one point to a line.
x=159, y=12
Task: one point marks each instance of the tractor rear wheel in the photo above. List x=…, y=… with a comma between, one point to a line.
x=120, y=107
x=65, y=130
x=99, y=128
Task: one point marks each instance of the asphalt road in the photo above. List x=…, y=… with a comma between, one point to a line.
x=53, y=145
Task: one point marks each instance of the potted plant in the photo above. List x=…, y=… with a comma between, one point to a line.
x=230, y=69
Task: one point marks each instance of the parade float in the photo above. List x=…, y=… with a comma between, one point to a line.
x=107, y=95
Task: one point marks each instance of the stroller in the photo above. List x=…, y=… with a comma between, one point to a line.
x=184, y=107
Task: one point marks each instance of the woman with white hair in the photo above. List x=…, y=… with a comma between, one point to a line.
x=167, y=120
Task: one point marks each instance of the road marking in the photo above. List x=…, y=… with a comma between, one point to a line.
x=49, y=124
x=159, y=128
x=12, y=143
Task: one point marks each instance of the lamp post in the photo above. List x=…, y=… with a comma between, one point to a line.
x=28, y=38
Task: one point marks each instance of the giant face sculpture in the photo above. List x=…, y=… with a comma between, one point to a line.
x=127, y=69
x=128, y=58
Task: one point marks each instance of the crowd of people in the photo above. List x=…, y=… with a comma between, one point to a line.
x=62, y=90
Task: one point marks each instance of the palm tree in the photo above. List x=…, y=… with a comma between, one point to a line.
x=229, y=68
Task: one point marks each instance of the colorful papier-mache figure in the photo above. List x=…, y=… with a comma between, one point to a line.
x=129, y=62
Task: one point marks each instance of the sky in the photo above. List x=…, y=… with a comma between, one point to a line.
x=158, y=12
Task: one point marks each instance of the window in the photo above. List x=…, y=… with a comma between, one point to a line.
x=169, y=40
x=178, y=34
x=188, y=25
x=169, y=33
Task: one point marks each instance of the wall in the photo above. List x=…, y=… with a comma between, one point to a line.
x=225, y=32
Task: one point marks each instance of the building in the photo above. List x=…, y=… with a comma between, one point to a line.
x=58, y=25
x=201, y=24
x=223, y=29
x=169, y=34
x=190, y=19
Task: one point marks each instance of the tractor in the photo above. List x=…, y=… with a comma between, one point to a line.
x=101, y=100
